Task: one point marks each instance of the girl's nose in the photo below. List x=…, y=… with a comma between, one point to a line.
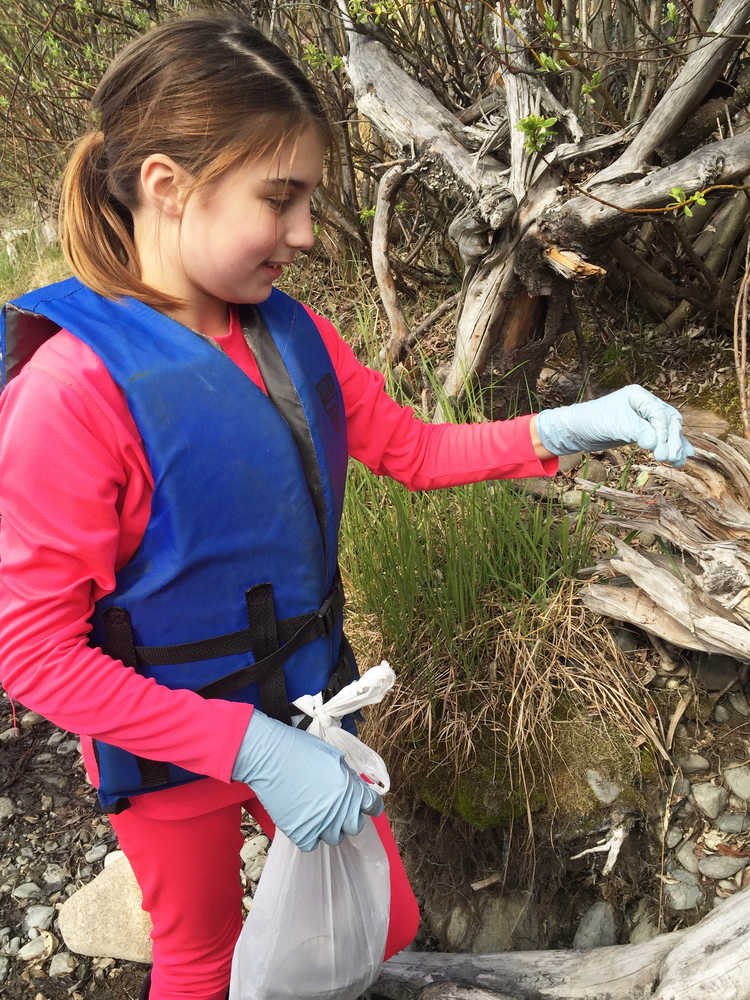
x=300, y=233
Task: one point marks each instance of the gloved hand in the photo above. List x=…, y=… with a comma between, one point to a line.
x=631, y=414
x=304, y=784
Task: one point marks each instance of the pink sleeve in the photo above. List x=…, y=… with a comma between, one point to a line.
x=392, y=441
x=74, y=497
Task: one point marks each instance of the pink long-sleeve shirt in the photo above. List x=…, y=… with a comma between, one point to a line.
x=75, y=495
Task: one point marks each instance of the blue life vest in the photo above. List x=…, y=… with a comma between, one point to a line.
x=234, y=590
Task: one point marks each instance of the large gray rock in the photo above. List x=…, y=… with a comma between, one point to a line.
x=721, y=865
x=685, y=854
x=685, y=892
x=105, y=918
x=712, y=799
x=597, y=928
x=507, y=923
x=738, y=780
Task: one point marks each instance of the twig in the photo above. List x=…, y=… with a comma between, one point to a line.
x=740, y=345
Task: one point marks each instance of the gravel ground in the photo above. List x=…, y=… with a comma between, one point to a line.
x=55, y=838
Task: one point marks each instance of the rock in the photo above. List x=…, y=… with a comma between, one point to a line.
x=695, y=420
x=8, y=735
x=256, y=871
x=4, y=963
x=686, y=856
x=7, y=809
x=62, y=964
x=96, y=853
x=458, y=927
x=54, y=877
x=674, y=836
x=739, y=703
x=27, y=890
x=643, y=925
x=682, y=786
x=57, y=737
x=32, y=950
x=112, y=857
x=693, y=762
x=721, y=865
x=627, y=639
x=684, y=893
x=712, y=799
x=507, y=923
x=105, y=918
x=738, y=780
x=721, y=714
x=253, y=847
x=595, y=471
x=733, y=822
x=38, y=917
x=597, y=927
x=715, y=671
x=30, y=719
x=605, y=790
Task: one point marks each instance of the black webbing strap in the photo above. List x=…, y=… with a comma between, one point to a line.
x=262, y=618
x=118, y=642
x=244, y=640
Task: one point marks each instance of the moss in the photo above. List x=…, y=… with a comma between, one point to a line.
x=478, y=797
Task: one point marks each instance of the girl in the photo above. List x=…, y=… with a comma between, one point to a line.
x=174, y=439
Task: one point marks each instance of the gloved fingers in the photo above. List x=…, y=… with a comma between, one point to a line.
x=676, y=443
x=372, y=803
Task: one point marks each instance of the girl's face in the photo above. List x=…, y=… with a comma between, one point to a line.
x=237, y=234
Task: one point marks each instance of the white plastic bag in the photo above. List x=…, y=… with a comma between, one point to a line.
x=319, y=920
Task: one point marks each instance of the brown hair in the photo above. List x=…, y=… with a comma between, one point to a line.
x=208, y=91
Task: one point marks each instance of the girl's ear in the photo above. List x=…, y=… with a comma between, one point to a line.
x=164, y=184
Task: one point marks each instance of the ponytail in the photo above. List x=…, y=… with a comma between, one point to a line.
x=96, y=229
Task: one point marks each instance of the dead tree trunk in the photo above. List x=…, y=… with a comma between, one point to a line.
x=710, y=960
x=520, y=211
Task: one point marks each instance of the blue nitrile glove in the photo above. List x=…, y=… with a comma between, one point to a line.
x=304, y=784
x=630, y=415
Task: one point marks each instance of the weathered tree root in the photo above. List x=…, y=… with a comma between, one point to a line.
x=710, y=961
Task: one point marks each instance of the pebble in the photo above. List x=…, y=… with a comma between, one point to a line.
x=30, y=719
x=96, y=853
x=57, y=737
x=674, y=836
x=692, y=762
x=597, y=927
x=34, y=949
x=4, y=963
x=685, y=893
x=68, y=746
x=686, y=856
x=738, y=780
x=253, y=847
x=13, y=945
x=721, y=865
x=606, y=791
x=256, y=871
x=733, y=822
x=682, y=786
x=721, y=714
x=247, y=902
x=716, y=671
x=712, y=799
x=62, y=964
x=7, y=809
x=8, y=735
x=27, y=890
x=739, y=703
x=54, y=877
x=38, y=917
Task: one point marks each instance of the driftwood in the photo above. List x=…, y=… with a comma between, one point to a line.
x=710, y=961
x=697, y=596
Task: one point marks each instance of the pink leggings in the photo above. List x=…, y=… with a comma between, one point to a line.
x=188, y=871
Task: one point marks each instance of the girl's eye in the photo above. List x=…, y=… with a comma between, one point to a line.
x=278, y=204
